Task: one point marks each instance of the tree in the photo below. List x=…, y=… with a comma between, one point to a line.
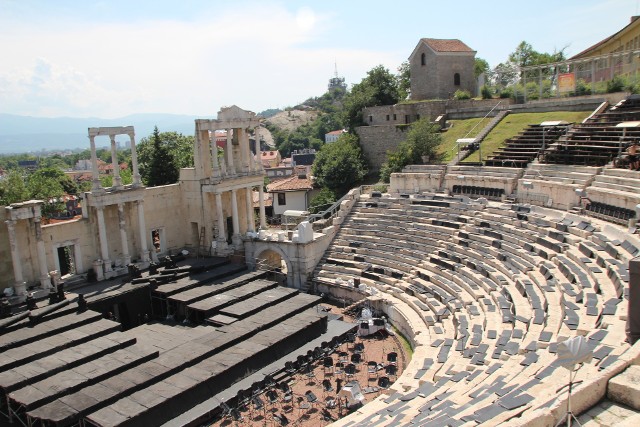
x=524, y=55
x=481, y=66
x=339, y=165
x=423, y=140
x=380, y=87
x=404, y=80
x=42, y=186
x=160, y=167
x=13, y=188
x=68, y=185
x=322, y=201
x=504, y=74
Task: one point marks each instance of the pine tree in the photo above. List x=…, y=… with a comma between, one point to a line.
x=162, y=168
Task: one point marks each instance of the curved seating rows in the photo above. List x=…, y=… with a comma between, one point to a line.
x=495, y=287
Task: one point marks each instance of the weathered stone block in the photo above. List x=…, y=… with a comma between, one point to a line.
x=623, y=388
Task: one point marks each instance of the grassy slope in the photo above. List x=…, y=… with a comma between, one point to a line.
x=507, y=128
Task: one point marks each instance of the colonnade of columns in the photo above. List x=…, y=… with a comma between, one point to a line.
x=112, y=132
x=235, y=218
x=16, y=260
x=228, y=165
x=102, y=235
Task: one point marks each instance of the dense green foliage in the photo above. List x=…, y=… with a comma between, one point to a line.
x=403, y=79
x=157, y=158
x=379, y=87
x=422, y=142
x=43, y=184
x=321, y=201
x=340, y=165
x=461, y=95
x=480, y=66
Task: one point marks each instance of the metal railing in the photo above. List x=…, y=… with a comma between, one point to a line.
x=335, y=207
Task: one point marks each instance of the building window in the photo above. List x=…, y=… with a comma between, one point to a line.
x=370, y=119
x=387, y=117
x=456, y=79
x=423, y=59
x=394, y=117
x=417, y=116
x=282, y=199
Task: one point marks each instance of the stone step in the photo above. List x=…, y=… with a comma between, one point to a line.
x=623, y=388
x=609, y=414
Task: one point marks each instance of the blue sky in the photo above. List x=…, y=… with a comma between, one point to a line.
x=113, y=58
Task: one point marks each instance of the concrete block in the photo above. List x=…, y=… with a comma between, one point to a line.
x=623, y=388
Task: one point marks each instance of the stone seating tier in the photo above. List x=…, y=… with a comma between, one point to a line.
x=475, y=361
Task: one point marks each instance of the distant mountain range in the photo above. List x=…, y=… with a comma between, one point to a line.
x=22, y=134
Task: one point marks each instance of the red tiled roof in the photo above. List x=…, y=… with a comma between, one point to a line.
x=337, y=132
x=447, y=45
x=291, y=183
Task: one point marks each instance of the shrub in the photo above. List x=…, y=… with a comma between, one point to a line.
x=532, y=91
x=582, y=88
x=486, y=92
x=616, y=84
x=462, y=94
x=634, y=88
x=506, y=93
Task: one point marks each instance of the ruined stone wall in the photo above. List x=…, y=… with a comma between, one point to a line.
x=83, y=231
x=164, y=208
x=6, y=269
x=399, y=113
x=376, y=140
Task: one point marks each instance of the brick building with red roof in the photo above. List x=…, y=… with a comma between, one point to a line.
x=440, y=67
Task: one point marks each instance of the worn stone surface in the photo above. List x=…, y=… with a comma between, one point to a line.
x=623, y=388
x=608, y=413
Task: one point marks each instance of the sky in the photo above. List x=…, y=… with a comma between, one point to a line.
x=109, y=59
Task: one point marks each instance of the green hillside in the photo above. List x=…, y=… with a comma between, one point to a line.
x=507, y=128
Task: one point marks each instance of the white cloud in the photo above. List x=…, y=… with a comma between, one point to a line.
x=256, y=58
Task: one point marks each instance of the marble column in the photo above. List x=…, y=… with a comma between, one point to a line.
x=245, y=152
x=228, y=151
x=263, y=215
x=214, y=154
x=252, y=160
x=235, y=218
x=96, y=186
x=251, y=227
x=258, y=150
x=19, y=286
x=134, y=160
x=42, y=254
x=220, y=216
x=102, y=236
x=144, y=255
x=123, y=235
x=117, y=182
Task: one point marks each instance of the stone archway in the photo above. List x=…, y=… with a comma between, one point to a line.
x=275, y=259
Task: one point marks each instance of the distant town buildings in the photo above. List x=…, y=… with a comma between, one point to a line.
x=333, y=135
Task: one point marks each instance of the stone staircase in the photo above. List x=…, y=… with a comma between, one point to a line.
x=481, y=136
x=493, y=123
x=621, y=407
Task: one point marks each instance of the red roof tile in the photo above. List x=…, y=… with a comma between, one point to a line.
x=447, y=45
x=292, y=183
